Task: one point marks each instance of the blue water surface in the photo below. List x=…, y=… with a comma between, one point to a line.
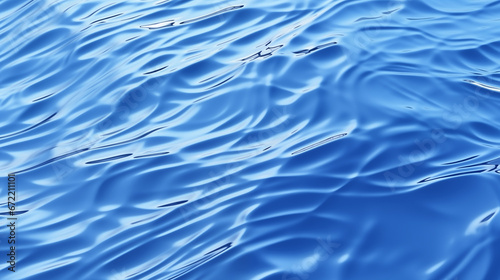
x=245, y=139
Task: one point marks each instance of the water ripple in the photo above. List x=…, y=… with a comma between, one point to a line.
x=252, y=139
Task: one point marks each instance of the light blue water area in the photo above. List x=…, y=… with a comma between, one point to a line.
x=244, y=139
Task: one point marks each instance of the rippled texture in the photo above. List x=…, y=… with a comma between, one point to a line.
x=285, y=140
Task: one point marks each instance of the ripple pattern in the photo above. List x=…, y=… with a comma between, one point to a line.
x=244, y=139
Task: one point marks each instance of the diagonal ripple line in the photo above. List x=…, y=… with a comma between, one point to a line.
x=452, y=175
x=152, y=155
x=487, y=218
x=130, y=140
x=159, y=24
x=320, y=143
x=461, y=160
x=29, y=128
x=173, y=203
x=206, y=257
x=231, y=8
x=108, y=159
x=53, y=160
x=171, y=22
x=492, y=88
